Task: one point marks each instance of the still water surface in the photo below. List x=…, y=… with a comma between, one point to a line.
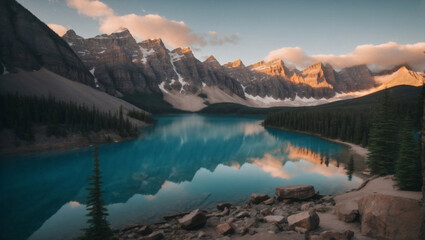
x=183, y=162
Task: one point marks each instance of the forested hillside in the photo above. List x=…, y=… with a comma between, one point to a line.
x=346, y=120
x=22, y=113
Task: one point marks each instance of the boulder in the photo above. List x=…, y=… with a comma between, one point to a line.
x=258, y=198
x=243, y=214
x=308, y=220
x=274, y=218
x=347, y=211
x=222, y=206
x=224, y=229
x=194, y=220
x=296, y=192
x=331, y=235
x=389, y=217
x=269, y=201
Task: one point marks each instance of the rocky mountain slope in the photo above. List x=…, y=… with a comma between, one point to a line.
x=27, y=43
x=124, y=67
x=36, y=61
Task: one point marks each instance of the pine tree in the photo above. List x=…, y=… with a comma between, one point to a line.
x=383, y=139
x=98, y=227
x=408, y=167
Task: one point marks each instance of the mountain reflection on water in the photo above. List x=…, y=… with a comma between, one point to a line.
x=181, y=163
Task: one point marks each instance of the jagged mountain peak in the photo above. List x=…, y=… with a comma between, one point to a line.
x=315, y=66
x=70, y=33
x=121, y=29
x=235, y=64
x=211, y=59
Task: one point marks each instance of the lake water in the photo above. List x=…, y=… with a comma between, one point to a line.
x=183, y=162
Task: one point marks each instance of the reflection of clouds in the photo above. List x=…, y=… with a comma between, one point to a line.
x=74, y=204
x=252, y=128
x=236, y=165
x=303, y=153
x=273, y=165
x=295, y=153
x=322, y=169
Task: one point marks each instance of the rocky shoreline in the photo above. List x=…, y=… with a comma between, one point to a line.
x=297, y=212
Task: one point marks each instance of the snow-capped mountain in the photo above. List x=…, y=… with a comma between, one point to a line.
x=120, y=65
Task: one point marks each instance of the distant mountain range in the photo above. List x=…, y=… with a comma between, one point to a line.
x=121, y=66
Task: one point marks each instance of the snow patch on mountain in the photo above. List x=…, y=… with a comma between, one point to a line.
x=161, y=86
x=4, y=69
x=266, y=99
x=145, y=54
x=95, y=79
x=173, y=58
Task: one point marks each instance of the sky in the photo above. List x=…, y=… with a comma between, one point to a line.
x=299, y=32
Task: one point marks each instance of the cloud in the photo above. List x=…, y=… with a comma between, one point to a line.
x=217, y=40
x=173, y=33
x=378, y=57
x=91, y=8
x=58, y=29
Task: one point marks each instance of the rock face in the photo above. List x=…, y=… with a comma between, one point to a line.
x=194, y=220
x=122, y=65
x=296, y=192
x=308, y=220
x=27, y=43
x=347, y=212
x=389, y=217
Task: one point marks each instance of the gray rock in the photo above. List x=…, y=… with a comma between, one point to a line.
x=296, y=192
x=269, y=201
x=222, y=206
x=331, y=235
x=243, y=214
x=308, y=220
x=347, y=211
x=258, y=198
x=274, y=218
x=194, y=220
x=307, y=206
x=224, y=229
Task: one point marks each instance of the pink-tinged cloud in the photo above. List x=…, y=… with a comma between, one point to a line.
x=58, y=29
x=216, y=40
x=91, y=8
x=378, y=57
x=173, y=33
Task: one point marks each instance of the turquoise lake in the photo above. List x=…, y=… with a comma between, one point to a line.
x=183, y=162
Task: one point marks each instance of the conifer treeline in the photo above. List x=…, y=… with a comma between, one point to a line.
x=142, y=116
x=21, y=113
x=351, y=125
x=347, y=124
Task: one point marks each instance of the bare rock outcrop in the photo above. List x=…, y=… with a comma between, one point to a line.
x=194, y=220
x=389, y=217
x=308, y=220
x=29, y=44
x=296, y=192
